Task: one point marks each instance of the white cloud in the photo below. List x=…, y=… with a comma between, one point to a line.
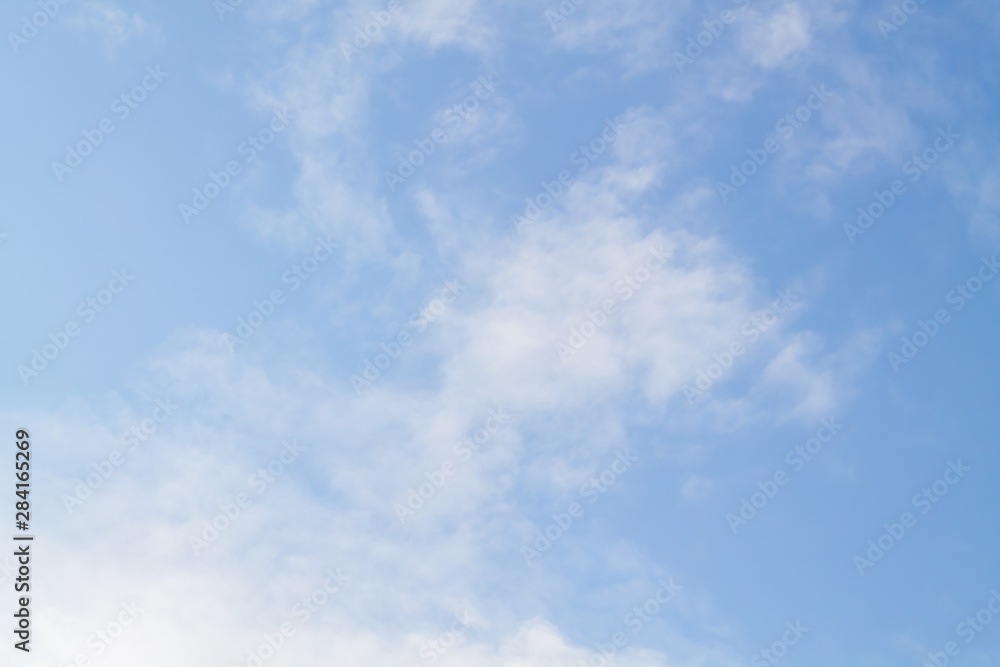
x=113, y=25
x=496, y=347
x=639, y=31
x=437, y=23
x=774, y=40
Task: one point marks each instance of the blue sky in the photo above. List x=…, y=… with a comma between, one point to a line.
x=562, y=320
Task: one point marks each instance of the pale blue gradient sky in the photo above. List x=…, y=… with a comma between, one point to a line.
x=493, y=345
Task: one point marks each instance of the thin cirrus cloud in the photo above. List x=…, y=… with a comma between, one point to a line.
x=606, y=304
x=114, y=27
